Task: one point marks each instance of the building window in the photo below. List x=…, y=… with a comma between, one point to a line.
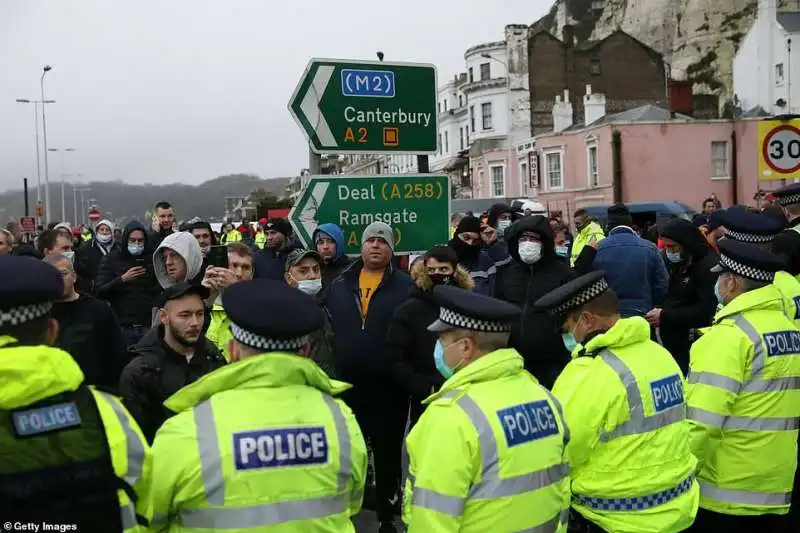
x=594, y=67
x=472, y=118
x=779, y=74
x=440, y=143
x=486, y=71
x=460, y=100
x=461, y=138
x=445, y=106
x=466, y=135
x=498, y=181
x=591, y=156
x=439, y=106
x=471, y=75
x=523, y=178
x=719, y=159
x=447, y=142
x=486, y=114
x=480, y=181
x=553, y=165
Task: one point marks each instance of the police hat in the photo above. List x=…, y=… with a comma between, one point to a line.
x=28, y=288
x=744, y=225
x=179, y=290
x=748, y=261
x=789, y=195
x=463, y=309
x=573, y=295
x=269, y=315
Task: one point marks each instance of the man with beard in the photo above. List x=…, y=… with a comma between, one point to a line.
x=171, y=356
x=472, y=256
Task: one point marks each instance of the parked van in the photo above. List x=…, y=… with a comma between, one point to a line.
x=646, y=214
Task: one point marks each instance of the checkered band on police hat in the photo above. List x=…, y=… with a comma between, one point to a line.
x=751, y=238
x=269, y=345
x=745, y=271
x=585, y=295
x=460, y=321
x=789, y=199
x=24, y=313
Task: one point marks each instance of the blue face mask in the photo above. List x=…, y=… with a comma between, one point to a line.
x=438, y=359
x=570, y=342
x=135, y=249
x=674, y=257
x=562, y=251
x=717, y=294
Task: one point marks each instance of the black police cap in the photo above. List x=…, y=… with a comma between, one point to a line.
x=28, y=288
x=744, y=225
x=574, y=294
x=748, y=261
x=789, y=195
x=179, y=290
x=463, y=309
x=269, y=315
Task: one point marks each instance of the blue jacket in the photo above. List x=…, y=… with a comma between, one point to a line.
x=359, y=350
x=634, y=271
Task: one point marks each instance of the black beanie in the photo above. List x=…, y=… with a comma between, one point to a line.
x=618, y=215
x=281, y=225
x=494, y=213
x=468, y=225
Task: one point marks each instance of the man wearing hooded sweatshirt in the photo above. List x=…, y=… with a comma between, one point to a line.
x=178, y=258
x=535, y=270
x=329, y=242
x=89, y=255
x=469, y=247
x=271, y=261
x=498, y=222
x=690, y=303
x=126, y=281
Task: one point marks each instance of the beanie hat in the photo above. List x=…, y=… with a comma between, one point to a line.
x=619, y=215
x=468, y=225
x=107, y=223
x=380, y=230
x=281, y=225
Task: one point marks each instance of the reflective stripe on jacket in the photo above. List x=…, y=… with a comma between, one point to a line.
x=626, y=411
x=257, y=444
x=488, y=454
x=744, y=403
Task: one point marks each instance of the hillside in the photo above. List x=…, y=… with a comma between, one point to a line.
x=697, y=38
x=125, y=201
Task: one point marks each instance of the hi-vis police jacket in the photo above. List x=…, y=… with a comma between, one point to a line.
x=260, y=445
x=488, y=454
x=744, y=403
x=789, y=288
x=30, y=377
x=632, y=469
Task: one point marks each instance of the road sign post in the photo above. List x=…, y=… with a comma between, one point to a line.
x=28, y=224
x=417, y=207
x=778, y=149
x=94, y=215
x=346, y=106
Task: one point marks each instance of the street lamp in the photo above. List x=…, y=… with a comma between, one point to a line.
x=45, y=70
x=75, y=198
x=38, y=157
x=63, y=205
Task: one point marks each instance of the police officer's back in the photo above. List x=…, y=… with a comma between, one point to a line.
x=632, y=469
x=69, y=454
x=743, y=398
x=261, y=444
x=488, y=454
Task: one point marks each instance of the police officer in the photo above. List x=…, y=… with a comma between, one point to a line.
x=788, y=242
x=632, y=469
x=69, y=454
x=742, y=397
x=488, y=454
x=261, y=442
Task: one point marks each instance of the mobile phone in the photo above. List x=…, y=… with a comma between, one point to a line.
x=218, y=256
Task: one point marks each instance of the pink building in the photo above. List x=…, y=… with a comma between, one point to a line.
x=644, y=155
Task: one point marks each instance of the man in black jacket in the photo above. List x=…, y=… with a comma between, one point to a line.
x=690, y=303
x=409, y=344
x=162, y=227
x=91, y=253
x=535, y=270
x=171, y=356
x=788, y=241
x=126, y=280
x=360, y=304
x=271, y=261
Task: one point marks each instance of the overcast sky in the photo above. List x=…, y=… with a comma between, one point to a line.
x=162, y=91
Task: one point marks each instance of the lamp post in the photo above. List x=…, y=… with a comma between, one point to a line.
x=63, y=194
x=83, y=203
x=38, y=156
x=75, y=198
x=45, y=70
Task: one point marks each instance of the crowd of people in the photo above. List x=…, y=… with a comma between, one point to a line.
x=648, y=356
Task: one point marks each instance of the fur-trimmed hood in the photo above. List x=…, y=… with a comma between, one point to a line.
x=423, y=282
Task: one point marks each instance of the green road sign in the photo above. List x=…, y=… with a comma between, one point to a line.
x=366, y=107
x=416, y=206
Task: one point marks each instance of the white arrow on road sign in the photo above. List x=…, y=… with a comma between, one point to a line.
x=310, y=106
x=308, y=212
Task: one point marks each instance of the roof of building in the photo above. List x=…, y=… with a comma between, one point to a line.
x=790, y=21
x=756, y=112
x=645, y=113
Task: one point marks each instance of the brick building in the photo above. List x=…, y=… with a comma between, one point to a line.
x=628, y=72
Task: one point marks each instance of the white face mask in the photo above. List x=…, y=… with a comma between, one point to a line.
x=104, y=239
x=502, y=226
x=310, y=286
x=530, y=252
x=70, y=256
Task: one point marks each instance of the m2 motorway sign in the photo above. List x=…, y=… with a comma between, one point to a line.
x=417, y=208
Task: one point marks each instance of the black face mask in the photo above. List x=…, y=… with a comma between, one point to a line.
x=442, y=279
x=464, y=250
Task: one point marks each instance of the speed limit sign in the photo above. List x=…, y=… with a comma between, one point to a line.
x=779, y=149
